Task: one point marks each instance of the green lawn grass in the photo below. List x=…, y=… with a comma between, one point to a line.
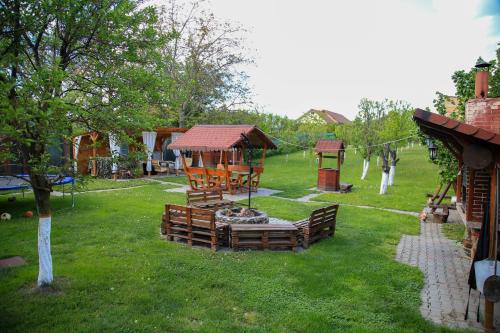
x=454, y=231
x=415, y=176
x=113, y=273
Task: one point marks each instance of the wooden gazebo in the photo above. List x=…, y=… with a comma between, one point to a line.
x=221, y=150
x=329, y=178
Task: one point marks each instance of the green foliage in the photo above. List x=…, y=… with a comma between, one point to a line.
x=202, y=61
x=378, y=122
x=116, y=274
x=69, y=65
x=464, y=85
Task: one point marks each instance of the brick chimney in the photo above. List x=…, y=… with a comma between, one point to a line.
x=482, y=111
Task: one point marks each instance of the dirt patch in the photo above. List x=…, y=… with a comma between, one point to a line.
x=56, y=288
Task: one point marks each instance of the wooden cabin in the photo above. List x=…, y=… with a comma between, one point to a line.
x=93, y=144
x=221, y=151
x=328, y=177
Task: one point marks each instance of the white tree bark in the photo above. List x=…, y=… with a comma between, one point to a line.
x=383, y=183
x=392, y=173
x=366, y=165
x=44, y=257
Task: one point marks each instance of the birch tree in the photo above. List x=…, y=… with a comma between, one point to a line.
x=68, y=64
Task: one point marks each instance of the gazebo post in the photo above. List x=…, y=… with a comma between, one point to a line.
x=263, y=156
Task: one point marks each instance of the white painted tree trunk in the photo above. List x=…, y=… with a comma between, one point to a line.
x=366, y=165
x=383, y=183
x=44, y=256
x=392, y=173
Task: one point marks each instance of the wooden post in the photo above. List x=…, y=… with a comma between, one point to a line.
x=489, y=306
x=263, y=157
x=338, y=160
x=320, y=161
x=459, y=182
x=470, y=196
x=93, y=137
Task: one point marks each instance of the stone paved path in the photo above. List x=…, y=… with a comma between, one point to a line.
x=446, y=269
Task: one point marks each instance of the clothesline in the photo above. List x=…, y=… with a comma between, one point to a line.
x=352, y=148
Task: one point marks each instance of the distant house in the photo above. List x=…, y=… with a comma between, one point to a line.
x=451, y=105
x=328, y=117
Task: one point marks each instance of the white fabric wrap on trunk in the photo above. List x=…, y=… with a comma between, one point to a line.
x=76, y=149
x=149, y=138
x=114, y=148
x=44, y=256
x=383, y=183
x=392, y=172
x=177, y=152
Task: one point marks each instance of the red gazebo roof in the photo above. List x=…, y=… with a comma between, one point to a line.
x=329, y=146
x=220, y=137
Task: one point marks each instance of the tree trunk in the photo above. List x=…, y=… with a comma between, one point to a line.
x=41, y=189
x=182, y=115
x=392, y=173
x=383, y=183
x=366, y=166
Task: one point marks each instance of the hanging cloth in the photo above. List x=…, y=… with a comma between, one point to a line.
x=177, y=152
x=114, y=148
x=76, y=149
x=149, y=138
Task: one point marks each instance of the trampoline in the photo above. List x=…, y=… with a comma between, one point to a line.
x=9, y=183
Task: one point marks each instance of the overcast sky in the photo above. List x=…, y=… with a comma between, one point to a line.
x=329, y=54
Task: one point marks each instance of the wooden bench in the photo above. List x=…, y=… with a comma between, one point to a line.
x=195, y=226
x=208, y=199
x=263, y=236
x=319, y=225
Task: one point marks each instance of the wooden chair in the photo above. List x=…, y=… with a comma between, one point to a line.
x=210, y=199
x=196, y=178
x=264, y=236
x=158, y=167
x=193, y=225
x=217, y=178
x=255, y=179
x=319, y=225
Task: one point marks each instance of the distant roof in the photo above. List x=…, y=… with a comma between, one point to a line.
x=220, y=137
x=430, y=122
x=450, y=104
x=329, y=117
x=329, y=146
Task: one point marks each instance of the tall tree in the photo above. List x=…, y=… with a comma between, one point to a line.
x=397, y=125
x=367, y=127
x=67, y=64
x=204, y=59
x=464, y=90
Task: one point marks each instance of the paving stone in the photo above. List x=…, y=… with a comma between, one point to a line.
x=446, y=269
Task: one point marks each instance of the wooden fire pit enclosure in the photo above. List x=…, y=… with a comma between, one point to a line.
x=329, y=178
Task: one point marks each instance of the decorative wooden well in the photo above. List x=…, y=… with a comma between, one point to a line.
x=328, y=177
